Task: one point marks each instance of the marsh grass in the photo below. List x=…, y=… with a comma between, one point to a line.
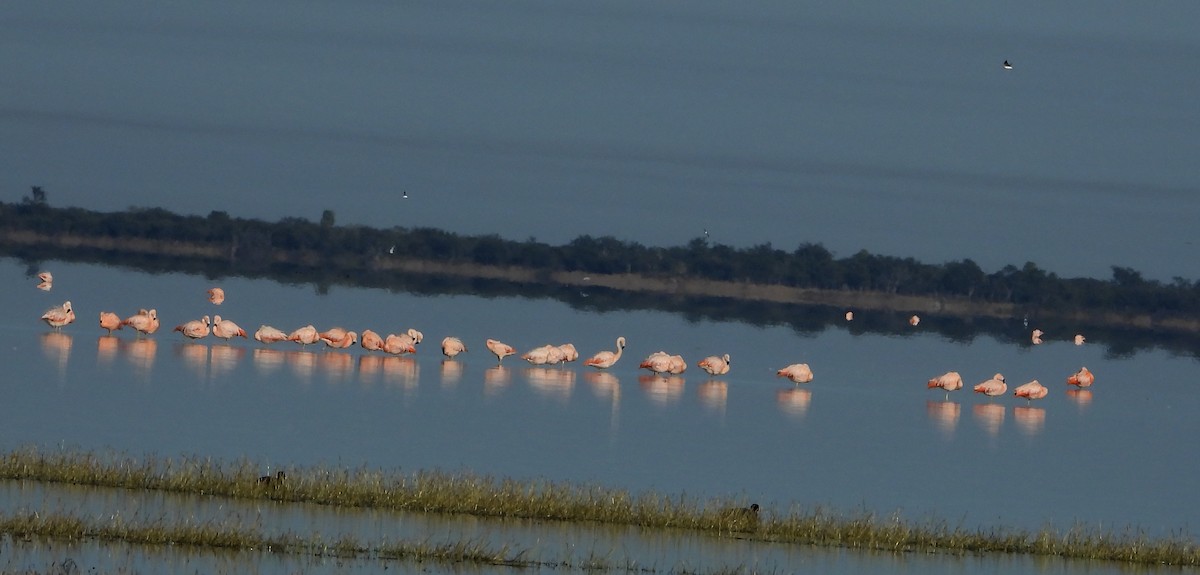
x=440, y=492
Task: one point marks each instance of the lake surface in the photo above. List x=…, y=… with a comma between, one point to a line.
x=866, y=434
x=894, y=130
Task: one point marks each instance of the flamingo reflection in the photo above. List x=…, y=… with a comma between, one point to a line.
x=662, y=389
x=56, y=346
x=369, y=368
x=495, y=379
x=550, y=382
x=302, y=364
x=141, y=353
x=605, y=385
x=107, y=347
x=794, y=401
x=713, y=394
x=223, y=359
x=400, y=370
x=944, y=415
x=451, y=373
x=1081, y=397
x=990, y=417
x=1029, y=420
x=338, y=367
x=268, y=361
x=194, y=356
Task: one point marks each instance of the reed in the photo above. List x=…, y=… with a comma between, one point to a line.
x=440, y=492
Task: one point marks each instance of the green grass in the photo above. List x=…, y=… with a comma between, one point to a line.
x=439, y=492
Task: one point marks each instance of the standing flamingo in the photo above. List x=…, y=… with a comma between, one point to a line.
x=1031, y=391
x=452, y=346
x=914, y=320
x=1079, y=339
x=305, y=335
x=542, y=355
x=144, y=321
x=216, y=295
x=398, y=344
x=333, y=334
x=194, y=329
x=797, y=372
x=993, y=387
x=58, y=316
x=416, y=336
x=370, y=341
x=500, y=350
x=949, y=381
x=606, y=359
x=1036, y=338
x=569, y=352
x=1082, y=378
x=715, y=365
x=268, y=335
x=109, y=321
x=348, y=339
x=658, y=362
x=226, y=329
x=849, y=316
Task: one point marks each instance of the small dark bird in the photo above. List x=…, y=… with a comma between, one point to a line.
x=1007, y=66
x=267, y=479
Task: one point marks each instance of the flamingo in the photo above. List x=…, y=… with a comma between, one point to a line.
x=606, y=359
x=144, y=321
x=216, y=295
x=348, y=339
x=500, y=350
x=305, y=335
x=109, y=321
x=1082, y=378
x=1079, y=339
x=268, y=335
x=715, y=365
x=335, y=334
x=676, y=365
x=914, y=320
x=569, y=352
x=1036, y=338
x=226, y=329
x=452, y=346
x=58, y=316
x=849, y=316
x=992, y=387
x=541, y=355
x=398, y=344
x=194, y=329
x=949, y=381
x=370, y=341
x=416, y=336
x=797, y=372
x=46, y=277
x=1031, y=391
x=658, y=362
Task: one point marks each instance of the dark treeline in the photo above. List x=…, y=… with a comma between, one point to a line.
x=349, y=255
x=250, y=243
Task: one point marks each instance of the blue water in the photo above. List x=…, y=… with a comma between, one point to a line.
x=893, y=130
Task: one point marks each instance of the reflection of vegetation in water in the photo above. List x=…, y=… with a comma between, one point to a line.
x=486, y=496
x=700, y=280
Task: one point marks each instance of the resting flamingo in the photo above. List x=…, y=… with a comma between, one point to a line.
x=347, y=339
x=268, y=335
x=216, y=295
x=676, y=365
x=992, y=387
x=949, y=381
x=1082, y=378
x=58, y=316
x=144, y=321
x=914, y=320
x=500, y=350
x=606, y=359
x=226, y=329
x=715, y=365
x=370, y=341
x=194, y=329
x=305, y=335
x=1036, y=338
x=569, y=352
x=543, y=355
x=1031, y=391
x=849, y=316
x=452, y=346
x=1079, y=339
x=109, y=321
x=416, y=336
x=658, y=362
x=398, y=344
x=797, y=372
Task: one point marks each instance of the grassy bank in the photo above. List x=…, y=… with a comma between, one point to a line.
x=486, y=496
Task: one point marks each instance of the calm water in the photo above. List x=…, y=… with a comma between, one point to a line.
x=893, y=130
x=865, y=434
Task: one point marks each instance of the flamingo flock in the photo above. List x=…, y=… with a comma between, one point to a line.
x=146, y=322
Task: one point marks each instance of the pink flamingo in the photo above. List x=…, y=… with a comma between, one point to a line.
x=715, y=365
x=569, y=352
x=226, y=329
x=606, y=359
x=305, y=335
x=949, y=381
x=109, y=321
x=216, y=295
x=348, y=339
x=371, y=341
x=1082, y=378
x=269, y=335
x=58, y=316
x=144, y=321
x=194, y=329
x=398, y=344
x=658, y=362
x=500, y=350
x=993, y=387
x=416, y=336
x=676, y=365
x=452, y=346
x=914, y=320
x=797, y=372
x=542, y=355
x=1031, y=391
x=1079, y=339
x=1036, y=338
x=849, y=316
